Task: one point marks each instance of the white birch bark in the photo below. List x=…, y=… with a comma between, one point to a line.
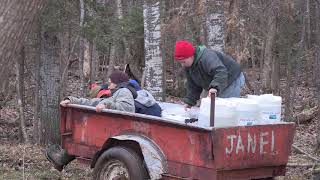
x=215, y=24
x=154, y=78
x=86, y=59
x=119, y=9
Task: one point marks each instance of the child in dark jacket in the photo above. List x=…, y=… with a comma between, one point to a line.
x=145, y=102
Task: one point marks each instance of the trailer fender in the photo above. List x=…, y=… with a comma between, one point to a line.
x=152, y=155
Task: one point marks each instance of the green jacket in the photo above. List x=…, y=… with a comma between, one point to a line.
x=210, y=69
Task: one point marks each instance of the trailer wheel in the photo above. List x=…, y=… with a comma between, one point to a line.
x=119, y=163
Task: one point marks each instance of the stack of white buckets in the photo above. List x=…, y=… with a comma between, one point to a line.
x=253, y=110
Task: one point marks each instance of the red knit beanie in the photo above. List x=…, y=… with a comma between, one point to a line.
x=184, y=49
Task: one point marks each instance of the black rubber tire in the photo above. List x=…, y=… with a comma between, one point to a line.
x=128, y=157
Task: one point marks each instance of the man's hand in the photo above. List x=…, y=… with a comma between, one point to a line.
x=65, y=102
x=99, y=107
x=212, y=91
x=186, y=106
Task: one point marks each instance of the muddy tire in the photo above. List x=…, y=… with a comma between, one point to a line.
x=120, y=163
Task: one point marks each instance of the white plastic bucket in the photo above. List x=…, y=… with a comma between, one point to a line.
x=204, y=112
x=224, y=113
x=269, y=108
x=246, y=112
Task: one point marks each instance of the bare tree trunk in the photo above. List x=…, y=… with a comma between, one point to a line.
x=94, y=63
x=202, y=9
x=215, y=24
x=86, y=60
x=124, y=40
x=107, y=59
x=5, y=91
x=64, y=75
x=115, y=40
x=308, y=24
x=112, y=59
x=154, y=81
x=16, y=18
x=20, y=95
x=275, y=76
x=317, y=19
x=301, y=51
x=288, y=8
x=270, y=40
x=234, y=37
x=81, y=48
x=310, y=60
x=49, y=89
x=36, y=120
x=263, y=45
x=275, y=82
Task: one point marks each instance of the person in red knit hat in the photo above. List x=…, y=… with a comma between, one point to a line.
x=208, y=70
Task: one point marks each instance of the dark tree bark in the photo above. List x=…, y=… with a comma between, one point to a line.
x=317, y=19
x=287, y=31
x=268, y=51
x=49, y=87
x=16, y=18
x=20, y=94
x=36, y=119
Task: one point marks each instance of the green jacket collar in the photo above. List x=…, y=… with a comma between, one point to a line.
x=199, y=52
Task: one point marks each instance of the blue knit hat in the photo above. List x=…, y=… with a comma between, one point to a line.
x=135, y=84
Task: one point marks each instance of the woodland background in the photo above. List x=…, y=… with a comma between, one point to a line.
x=50, y=49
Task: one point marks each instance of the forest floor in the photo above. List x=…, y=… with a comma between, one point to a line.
x=26, y=161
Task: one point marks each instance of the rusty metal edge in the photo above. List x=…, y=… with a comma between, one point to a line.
x=137, y=115
x=159, y=119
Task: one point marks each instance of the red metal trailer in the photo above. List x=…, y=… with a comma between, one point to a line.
x=121, y=145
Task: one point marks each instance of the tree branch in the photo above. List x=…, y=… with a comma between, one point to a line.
x=303, y=152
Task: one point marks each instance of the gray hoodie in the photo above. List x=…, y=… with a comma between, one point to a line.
x=121, y=100
x=145, y=98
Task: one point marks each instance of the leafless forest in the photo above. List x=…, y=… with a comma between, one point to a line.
x=50, y=49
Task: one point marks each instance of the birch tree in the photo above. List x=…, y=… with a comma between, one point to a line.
x=215, y=24
x=154, y=78
x=81, y=48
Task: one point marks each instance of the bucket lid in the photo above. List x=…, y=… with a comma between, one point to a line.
x=265, y=98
